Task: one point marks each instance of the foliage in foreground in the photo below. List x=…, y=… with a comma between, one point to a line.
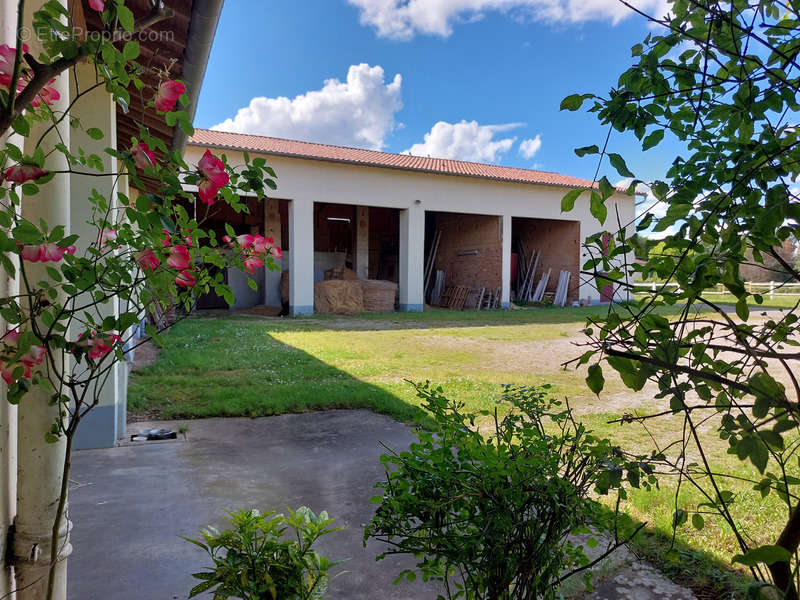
x=490, y=516
x=254, y=561
x=722, y=78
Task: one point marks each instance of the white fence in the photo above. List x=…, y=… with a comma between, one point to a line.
x=769, y=288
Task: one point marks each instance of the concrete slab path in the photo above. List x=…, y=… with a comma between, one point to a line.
x=131, y=505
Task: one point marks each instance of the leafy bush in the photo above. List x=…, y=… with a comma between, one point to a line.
x=490, y=516
x=253, y=561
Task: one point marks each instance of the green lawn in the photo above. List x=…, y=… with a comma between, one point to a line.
x=252, y=366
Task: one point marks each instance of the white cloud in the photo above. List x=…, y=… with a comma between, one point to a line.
x=466, y=140
x=357, y=112
x=529, y=148
x=402, y=19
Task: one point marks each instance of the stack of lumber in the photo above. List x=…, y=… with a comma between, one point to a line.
x=428, y=274
x=528, y=265
x=437, y=289
x=378, y=295
x=563, y=288
x=454, y=297
x=339, y=297
x=538, y=294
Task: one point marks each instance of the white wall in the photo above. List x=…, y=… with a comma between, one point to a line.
x=305, y=180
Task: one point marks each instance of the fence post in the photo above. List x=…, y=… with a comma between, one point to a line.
x=771, y=289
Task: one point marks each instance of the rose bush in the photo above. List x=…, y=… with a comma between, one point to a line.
x=149, y=248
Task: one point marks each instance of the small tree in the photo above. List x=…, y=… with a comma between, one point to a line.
x=490, y=515
x=145, y=253
x=722, y=78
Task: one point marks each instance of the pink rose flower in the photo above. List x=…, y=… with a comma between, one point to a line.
x=24, y=172
x=98, y=343
x=214, y=177
x=185, y=279
x=143, y=156
x=179, y=257
x=275, y=251
x=147, y=260
x=167, y=95
x=32, y=358
x=251, y=263
x=106, y=236
x=167, y=238
x=246, y=240
x=47, y=94
x=98, y=5
x=213, y=169
x=45, y=252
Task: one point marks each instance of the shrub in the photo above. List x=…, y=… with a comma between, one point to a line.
x=253, y=561
x=490, y=516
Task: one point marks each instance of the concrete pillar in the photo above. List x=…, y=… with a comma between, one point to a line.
x=301, y=257
x=9, y=286
x=505, y=292
x=40, y=464
x=362, y=242
x=412, y=258
x=272, y=228
x=100, y=427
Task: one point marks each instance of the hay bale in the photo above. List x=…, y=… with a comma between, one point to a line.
x=378, y=295
x=341, y=273
x=338, y=297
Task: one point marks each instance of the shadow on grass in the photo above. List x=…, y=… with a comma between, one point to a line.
x=248, y=372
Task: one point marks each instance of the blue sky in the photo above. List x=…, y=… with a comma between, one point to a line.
x=507, y=65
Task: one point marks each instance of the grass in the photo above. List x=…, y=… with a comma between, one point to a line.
x=240, y=365
x=777, y=300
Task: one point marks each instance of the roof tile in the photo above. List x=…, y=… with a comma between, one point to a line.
x=313, y=151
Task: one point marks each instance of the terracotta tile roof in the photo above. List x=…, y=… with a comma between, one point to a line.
x=373, y=158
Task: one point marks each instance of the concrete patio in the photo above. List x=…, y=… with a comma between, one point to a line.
x=130, y=505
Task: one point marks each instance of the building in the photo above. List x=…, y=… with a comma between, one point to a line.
x=379, y=213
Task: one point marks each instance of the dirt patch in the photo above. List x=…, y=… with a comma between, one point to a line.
x=144, y=356
x=260, y=311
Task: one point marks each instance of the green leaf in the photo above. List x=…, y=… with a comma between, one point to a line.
x=742, y=309
x=95, y=133
x=679, y=517
x=125, y=17
x=698, y=521
x=131, y=50
x=21, y=126
x=568, y=201
x=653, y=139
x=595, y=379
x=767, y=555
x=619, y=164
x=584, y=150
x=574, y=101
x=598, y=207
x=606, y=189
x=632, y=377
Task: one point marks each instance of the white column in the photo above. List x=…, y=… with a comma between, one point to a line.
x=9, y=286
x=272, y=228
x=505, y=293
x=412, y=258
x=362, y=242
x=39, y=464
x=99, y=429
x=301, y=257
